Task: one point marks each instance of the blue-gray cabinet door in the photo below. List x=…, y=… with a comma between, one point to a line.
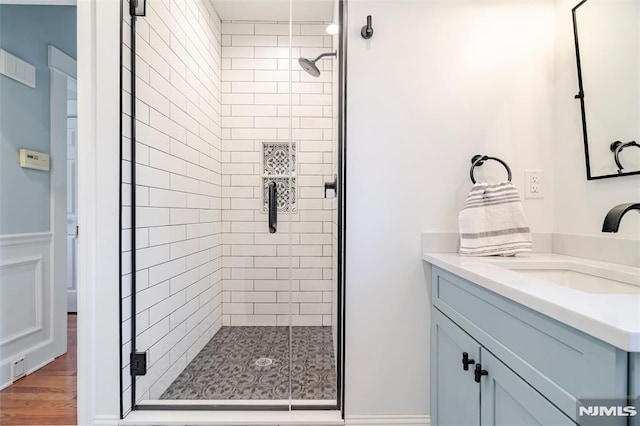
x=507, y=400
x=634, y=386
x=455, y=397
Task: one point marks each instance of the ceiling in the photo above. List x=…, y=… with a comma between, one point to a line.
x=40, y=2
x=275, y=10
x=244, y=10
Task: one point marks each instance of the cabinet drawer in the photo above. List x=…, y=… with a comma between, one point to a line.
x=561, y=362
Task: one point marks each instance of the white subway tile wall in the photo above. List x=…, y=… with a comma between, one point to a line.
x=209, y=94
x=179, y=189
x=255, y=109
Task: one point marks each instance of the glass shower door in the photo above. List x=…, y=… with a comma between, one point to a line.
x=314, y=233
x=234, y=293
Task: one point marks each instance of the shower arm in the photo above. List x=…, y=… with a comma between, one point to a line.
x=325, y=54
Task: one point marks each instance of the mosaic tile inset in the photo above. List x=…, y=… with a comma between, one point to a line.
x=286, y=194
x=279, y=158
x=278, y=165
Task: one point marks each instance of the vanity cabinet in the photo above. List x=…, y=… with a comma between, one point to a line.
x=500, y=398
x=532, y=369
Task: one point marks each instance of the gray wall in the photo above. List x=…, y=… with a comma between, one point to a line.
x=26, y=31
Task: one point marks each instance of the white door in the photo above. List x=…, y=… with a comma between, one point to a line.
x=72, y=200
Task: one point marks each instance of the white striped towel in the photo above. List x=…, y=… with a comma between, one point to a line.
x=492, y=222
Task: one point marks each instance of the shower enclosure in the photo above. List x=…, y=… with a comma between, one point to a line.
x=232, y=204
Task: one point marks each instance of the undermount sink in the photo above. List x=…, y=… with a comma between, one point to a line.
x=583, y=282
x=577, y=276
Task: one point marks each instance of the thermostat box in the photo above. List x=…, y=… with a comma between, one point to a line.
x=34, y=160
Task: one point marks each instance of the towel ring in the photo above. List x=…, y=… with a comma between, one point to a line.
x=478, y=160
x=617, y=147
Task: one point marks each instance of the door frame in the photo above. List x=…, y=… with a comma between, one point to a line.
x=283, y=406
x=98, y=28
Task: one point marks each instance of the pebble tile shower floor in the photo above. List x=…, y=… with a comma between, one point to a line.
x=226, y=367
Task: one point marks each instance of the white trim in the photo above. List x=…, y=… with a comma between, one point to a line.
x=98, y=27
x=40, y=2
x=86, y=25
x=17, y=69
x=39, y=262
x=36, y=344
x=389, y=420
x=25, y=239
x=105, y=421
x=39, y=366
x=234, y=418
x=61, y=62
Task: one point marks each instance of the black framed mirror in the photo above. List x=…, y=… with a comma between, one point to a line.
x=607, y=42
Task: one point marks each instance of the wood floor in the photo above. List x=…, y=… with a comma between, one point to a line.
x=48, y=396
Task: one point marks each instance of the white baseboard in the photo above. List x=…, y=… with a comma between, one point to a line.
x=269, y=418
x=237, y=418
x=39, y=366
x=105, y=421
x=389, y=420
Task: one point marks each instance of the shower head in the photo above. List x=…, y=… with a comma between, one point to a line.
x=309, y=65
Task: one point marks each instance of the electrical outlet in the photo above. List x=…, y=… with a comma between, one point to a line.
x=534, y=183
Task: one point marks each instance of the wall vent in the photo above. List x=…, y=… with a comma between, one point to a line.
x=17, y=370
x=17, y=69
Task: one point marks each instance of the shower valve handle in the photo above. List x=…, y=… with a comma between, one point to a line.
x=331, y=185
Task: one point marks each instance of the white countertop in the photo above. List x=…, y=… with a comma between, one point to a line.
x=612, y=318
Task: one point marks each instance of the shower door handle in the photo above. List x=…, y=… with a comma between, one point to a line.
x=273, y=208
x=331, y=185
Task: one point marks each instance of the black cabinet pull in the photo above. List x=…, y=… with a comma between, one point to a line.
x=466, y=362
x=479, y=372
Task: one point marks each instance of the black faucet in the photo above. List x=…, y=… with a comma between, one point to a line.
x=613, y=218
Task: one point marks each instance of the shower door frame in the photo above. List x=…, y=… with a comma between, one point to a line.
x=195, y=405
